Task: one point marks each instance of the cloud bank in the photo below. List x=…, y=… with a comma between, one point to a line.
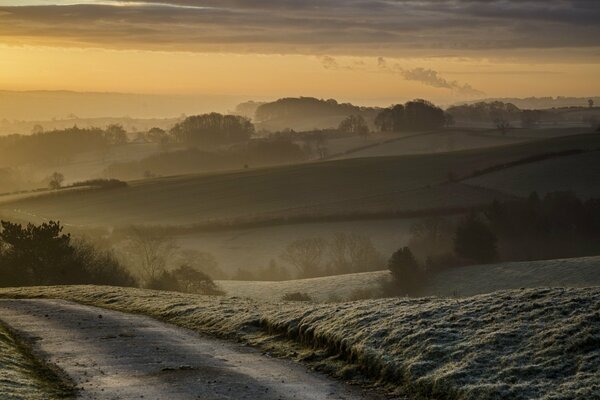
x=353, y=27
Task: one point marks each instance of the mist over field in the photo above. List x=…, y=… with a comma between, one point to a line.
x=307, y=199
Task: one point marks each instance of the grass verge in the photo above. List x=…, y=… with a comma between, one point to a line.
x=23, y=377
x=518, y=344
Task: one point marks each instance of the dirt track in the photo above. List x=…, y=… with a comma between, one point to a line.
x=112, y=355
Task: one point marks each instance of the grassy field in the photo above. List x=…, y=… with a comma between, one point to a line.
x=456, y=139
x=521, y=344
x=253, y=193
x=455, y=282
x=579, y=173
x=23, y=378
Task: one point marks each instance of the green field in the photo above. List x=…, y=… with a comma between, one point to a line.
x=257, y=193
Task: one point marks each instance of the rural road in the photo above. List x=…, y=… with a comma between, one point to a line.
x=113, y=355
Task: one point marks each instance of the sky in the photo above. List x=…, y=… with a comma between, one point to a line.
x=372, y=52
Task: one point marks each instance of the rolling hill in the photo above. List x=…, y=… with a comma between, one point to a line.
x=455, y=282
x=256, y=193
x=579, y=173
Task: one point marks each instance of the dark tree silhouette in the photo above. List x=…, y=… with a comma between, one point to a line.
x=406, y=272
x=415, y=115
x=354, y=124
x=56, y=180
x=213, y=129
x=474, y=240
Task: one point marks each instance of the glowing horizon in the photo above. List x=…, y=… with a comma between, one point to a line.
x=370, y=50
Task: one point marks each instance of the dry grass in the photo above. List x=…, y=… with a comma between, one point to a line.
x=523, y=344
x=22, y=377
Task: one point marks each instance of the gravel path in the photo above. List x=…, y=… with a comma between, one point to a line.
x=113, y=355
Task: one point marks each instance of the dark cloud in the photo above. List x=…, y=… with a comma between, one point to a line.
x=391, y=27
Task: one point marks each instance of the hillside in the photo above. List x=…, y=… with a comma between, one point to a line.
x=521, y=344
x=254, y=193
x=455, y=282
x=456, y=139
x=579, y=173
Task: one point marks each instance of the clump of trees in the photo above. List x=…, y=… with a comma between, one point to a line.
x=213, y=129
x=342, y=253
x=162, y=266
x=304, y=107
x=186, y=279
x=558, y=225
x=354, y=124
x=500, y=113
x=414, y=115
x=44, y=255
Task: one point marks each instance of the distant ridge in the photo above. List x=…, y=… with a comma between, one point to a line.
x=540, y=102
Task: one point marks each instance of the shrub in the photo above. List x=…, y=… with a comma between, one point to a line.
x=101, y=183
x=408, y=276
x=296, y=296
x=184, y=279
x=43, y=255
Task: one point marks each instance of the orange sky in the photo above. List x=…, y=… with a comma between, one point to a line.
x=95, y=48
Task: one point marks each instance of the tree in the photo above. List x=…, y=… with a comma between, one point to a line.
x=474, y=240
x=192, y=280
x=351, y=252
x=213, y=129
x=306, y=255
x=56, y=180
x=39, y=254
x=150, y=251
x=44, y=255
x=354, y=124
x=418, y=114
x=157, y=135
x=406, y=272
x=115, y=134
x=591, y=103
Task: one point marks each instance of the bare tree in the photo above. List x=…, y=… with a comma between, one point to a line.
x=56, y=180
x=150, y=251
x=591, y=103
x=306, y=255
x=352, y=252
x=200, y=260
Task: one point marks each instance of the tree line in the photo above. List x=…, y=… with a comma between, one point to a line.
x=557, y=225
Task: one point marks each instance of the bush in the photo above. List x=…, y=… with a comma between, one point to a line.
x=184, y=279
x=408, y=276
x=43, y=255
x=101, y=183
x=296, y=296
